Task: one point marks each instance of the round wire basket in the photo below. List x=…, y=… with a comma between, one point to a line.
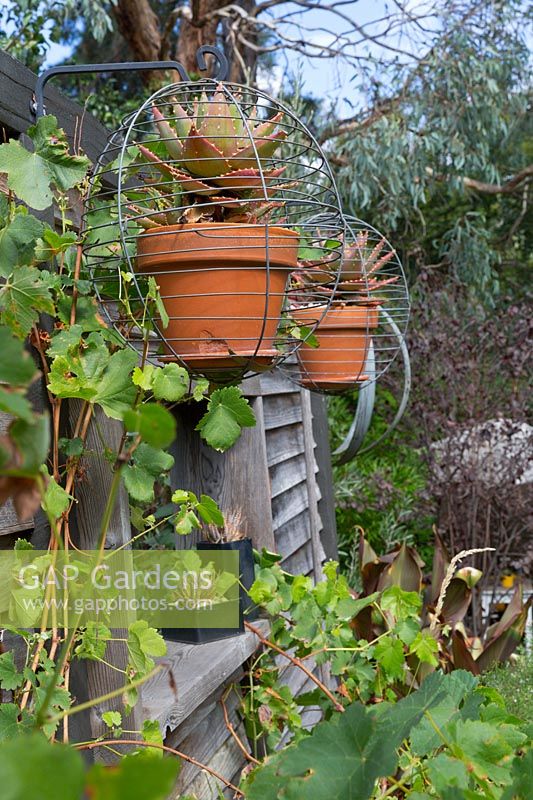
x=358, y=334
x=202, y=213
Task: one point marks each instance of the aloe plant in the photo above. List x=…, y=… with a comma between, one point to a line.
x=359, y=269
x=215, y=163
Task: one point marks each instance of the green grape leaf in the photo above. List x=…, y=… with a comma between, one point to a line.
x=227, y=413
x=64, y=340
x=401, y=604
x=170, y=383
x=153, y=423
x=93, y=641
x=143, y=377
x=31, y=175
x=113, y=719
x=425, y=648
x=52, y=243
x=96, y=376
x=144, y=642
x=151, y=732
x=424, y=737
x=115, y=392
x=343, y=757
x=407, y=630
x=147, y=465
x=349, y=607
x=390, y=656
x=32, y=441
x=15, y=404
x=200, y=389
x=448, y=774
x=23, y=297
x=209, y=511
x=56, y=500
x=521, y=772
x=16, y=365
x=135, y=777
x=58, y=769
x=18, y=241
x=10, y=677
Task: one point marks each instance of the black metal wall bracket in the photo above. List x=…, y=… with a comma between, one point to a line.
x=37, y=103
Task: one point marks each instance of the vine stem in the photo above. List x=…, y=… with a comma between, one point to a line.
x=166, y=749
x=103, y=698
x=231, y=729
x=77, y=267
x=297, y=663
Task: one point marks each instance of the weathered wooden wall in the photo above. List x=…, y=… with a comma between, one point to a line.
x=278, y=475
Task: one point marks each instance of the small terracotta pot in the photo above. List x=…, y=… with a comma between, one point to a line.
x=344, y=336
x=221, y=298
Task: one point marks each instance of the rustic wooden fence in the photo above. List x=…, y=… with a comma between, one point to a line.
x=278, y=474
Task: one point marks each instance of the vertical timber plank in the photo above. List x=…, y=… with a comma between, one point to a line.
x=326, y=504
x=314, y=517
x=92, y=494
x=237, y=479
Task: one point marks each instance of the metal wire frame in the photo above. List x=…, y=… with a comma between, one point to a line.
x=133, y=198
x=340, y=363
x=352, y=445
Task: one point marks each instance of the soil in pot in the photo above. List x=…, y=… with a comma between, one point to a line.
x=344, y=335
x=202, y=635
x=222, y=301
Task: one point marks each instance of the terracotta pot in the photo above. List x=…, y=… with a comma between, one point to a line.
x=217, y=291
x=343, y=334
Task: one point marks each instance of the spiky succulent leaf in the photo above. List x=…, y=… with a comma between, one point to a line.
x=167, y=134
x=261, y=149
x=181, y=120
x=201, y=157
x=218, y=125
x=248, y=180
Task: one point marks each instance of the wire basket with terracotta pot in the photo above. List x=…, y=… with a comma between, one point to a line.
x=358, y=334
x=205, y=201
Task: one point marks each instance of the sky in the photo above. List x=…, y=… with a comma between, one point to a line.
x=332, y=79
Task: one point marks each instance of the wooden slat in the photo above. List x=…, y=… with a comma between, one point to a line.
x=293, y=535
x=284, y=443
x=289, y=505
x=274, y=382
x=17, y=84
x=280, y=410
x=190, y=674
x=207, y=737
x=300, y=562
x=226, y=761
x=287, y=474
x=326, y=504
x=312, y=493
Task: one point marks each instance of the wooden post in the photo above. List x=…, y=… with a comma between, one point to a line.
x=92, y=494
x=314, y=517
x=326, y=504
x=238, y=480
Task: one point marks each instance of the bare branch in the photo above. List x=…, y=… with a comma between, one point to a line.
x=508, y=187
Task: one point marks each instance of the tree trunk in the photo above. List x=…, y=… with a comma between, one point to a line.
x=139, y=25
x=200, y=28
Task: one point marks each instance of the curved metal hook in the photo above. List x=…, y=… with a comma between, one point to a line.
x=222, y=61
x=362, y=417
x=351, y=446
x=37, y=106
